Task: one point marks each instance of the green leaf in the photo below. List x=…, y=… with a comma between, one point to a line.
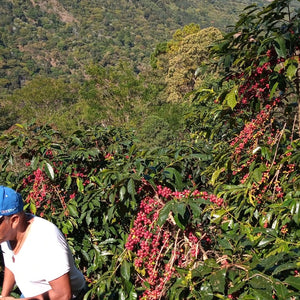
x=174, y=174
x=280, y=46
x=273, y=90
x=225, y=244
x=76, y=141
x=164, y=213
x=291, y=71
x=131, y=187
x=265, y=241
x=284, y=267
x=125, y=270
x=32, y=207
x=65, y=229
x=122, y=192
x=295, y=211
x=178, y=222
x=280, y=249
x=231, y=97
x=206, y=291
x=236, y=287
x=293, y=281
x=85, y=255
x=261, y=282
x=262, y=294
x=257, y=174
x=216, y=174
x=49, y=170
x=281, y=290
x=68, y=181
x=271, y=261
x=79, y=185
x=179, y=208
x=88, y=218
x=195, y=207
x=122, y=295
x=211, y=263
x=34, y=162
x=73, y=210
x=201, y=271
x=96, y=179
x=217, y=281
x=218, y=215
x=133, y=294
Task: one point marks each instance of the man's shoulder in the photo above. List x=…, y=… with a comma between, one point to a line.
x=4, y=246
x=43, y=224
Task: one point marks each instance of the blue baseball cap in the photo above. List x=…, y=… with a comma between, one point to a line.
x=10, y=201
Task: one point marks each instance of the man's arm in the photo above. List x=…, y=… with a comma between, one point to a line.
x=8, y=282
x=61, y=290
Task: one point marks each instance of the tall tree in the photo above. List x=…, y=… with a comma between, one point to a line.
x=45, y=100
x=183, y=55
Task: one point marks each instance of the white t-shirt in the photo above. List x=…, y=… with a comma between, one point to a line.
x=43, y=257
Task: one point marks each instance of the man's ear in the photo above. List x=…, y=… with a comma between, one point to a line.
x=14, y=221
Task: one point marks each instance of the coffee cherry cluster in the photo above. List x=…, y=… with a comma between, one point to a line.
x=39, y=189
x=159, y=250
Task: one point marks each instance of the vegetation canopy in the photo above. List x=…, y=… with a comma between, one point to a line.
x=200, y=202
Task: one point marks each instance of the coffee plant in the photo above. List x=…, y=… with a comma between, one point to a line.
x=88, y=185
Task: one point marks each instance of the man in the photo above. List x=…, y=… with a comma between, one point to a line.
x=36, y=255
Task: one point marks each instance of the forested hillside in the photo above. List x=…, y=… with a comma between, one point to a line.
x=54, y=53
x=60, y=38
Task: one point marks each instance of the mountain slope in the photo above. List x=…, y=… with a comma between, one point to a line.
x=59, y=38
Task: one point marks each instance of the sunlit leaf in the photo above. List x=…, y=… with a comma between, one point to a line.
x=49, y=170
x=231, y=97
x=80, y=185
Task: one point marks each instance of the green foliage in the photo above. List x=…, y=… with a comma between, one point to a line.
x=87, y=184
x=212, y=215
x=183, y=59
x=60, y=39
x=180, y=34
x=46, y=101
x=255, y=151
x=163, y=126
x=114, y=95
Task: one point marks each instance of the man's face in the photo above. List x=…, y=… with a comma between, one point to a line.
x=6, y=228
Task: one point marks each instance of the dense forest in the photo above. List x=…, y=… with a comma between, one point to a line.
x=63, y=37
x=65, y=43
x=162, y=138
